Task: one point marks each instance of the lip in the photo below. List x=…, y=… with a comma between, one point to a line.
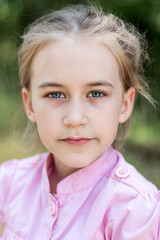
x=76, y=141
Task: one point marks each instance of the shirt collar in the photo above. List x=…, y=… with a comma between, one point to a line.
x=84, y=177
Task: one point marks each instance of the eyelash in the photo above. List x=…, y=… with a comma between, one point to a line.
x=51, y=95
x=101, y=94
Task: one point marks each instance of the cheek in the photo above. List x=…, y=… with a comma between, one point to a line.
x=45, y=113
x=107, y=121
x=108, y=115
x=46, y=120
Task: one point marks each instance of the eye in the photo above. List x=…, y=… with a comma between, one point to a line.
x=96, y=94
x=56, y=95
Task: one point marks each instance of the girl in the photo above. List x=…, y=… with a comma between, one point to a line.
x=80, y=70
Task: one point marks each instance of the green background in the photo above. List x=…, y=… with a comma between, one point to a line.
x=142, y=148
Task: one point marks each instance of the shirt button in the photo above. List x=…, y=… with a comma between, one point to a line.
x=122, y=172
x=52, y=208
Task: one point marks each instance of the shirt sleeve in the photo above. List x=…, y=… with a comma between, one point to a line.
x=139, y=220
x=7, y=171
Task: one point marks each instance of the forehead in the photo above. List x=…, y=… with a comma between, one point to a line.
x=75, y=59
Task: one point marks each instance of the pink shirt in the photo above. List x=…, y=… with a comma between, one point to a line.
x=108, y=199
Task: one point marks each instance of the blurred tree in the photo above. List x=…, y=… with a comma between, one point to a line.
x=16, y=15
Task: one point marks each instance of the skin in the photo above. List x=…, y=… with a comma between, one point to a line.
x=77, y=101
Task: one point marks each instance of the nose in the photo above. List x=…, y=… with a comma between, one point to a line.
x=75, y=115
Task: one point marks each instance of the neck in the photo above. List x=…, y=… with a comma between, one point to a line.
x=59, y=172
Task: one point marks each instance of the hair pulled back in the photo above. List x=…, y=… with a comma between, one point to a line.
x=90, y=22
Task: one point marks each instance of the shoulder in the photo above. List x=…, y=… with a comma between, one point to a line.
x=135, y=203
x=13, y=171
x=22, y=164
x=128, y=177
x=14, y=175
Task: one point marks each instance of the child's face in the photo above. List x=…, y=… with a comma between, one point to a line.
x=77, y=101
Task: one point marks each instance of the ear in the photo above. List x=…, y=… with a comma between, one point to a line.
x=128, y=102
x=27, y=101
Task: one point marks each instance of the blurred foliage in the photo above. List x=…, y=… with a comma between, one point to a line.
x=16, y=15
x=144, y=14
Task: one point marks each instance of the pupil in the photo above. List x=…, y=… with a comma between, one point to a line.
x=96, y=94
x=56, y=95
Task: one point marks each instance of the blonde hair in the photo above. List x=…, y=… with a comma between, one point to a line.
x=82, y=21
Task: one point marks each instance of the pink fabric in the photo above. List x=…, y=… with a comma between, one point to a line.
x=108, y=199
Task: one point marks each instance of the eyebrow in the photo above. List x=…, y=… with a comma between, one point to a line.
x=91, y=84
x=50, y=84
x=99, y=83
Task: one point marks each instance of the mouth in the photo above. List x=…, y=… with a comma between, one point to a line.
x=77, y=141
